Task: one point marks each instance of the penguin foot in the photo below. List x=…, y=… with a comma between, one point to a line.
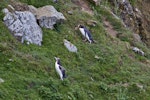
x=85, y=40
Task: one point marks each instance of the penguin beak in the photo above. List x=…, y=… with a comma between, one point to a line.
x=55, y=58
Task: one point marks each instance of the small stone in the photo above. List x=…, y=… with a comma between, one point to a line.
x=1, y=80
x=70, y=12
x=97, y=57
x=92, y=79
x=70, y=46
x=10, y=60
x=140, y=86
x=137, y=38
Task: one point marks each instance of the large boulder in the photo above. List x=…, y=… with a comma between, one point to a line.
x=23, y=26
x=47, y=16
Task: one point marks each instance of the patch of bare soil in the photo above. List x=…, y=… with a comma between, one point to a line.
x=84, y=6
x=109, y=29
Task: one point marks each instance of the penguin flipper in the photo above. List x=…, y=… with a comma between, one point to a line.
x=85, y=34
x=63, y=71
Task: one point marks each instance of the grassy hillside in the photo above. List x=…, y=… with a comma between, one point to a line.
x=29, y=73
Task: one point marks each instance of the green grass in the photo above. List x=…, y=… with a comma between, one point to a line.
x=31, y=74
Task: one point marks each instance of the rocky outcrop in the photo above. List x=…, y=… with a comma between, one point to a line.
x=143, y=6
x=47, y=16
x=134, y=18
x=21, y=19
x=23, y=26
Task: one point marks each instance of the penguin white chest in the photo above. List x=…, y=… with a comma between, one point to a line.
x=58, y=70
x=84, y=33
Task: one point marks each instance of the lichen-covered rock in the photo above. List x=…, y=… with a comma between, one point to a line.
x=23, y=26
x=70, y=46
x=48, y=16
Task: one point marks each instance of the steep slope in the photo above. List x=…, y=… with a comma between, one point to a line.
x=108, y=69
x=135, y=15
x=144, y=7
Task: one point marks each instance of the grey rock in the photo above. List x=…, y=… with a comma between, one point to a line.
x=32, y=9
x=137, y=38
x=23, y=25
x=138, y=51
x=48, y=16
x=70, y=12
x=70, y=46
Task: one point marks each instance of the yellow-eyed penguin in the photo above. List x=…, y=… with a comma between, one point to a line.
x=59, y=69
x=86, y=33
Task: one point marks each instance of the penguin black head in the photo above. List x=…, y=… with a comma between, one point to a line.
x=80, y=26
x=57, y=60
x=86, y=33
